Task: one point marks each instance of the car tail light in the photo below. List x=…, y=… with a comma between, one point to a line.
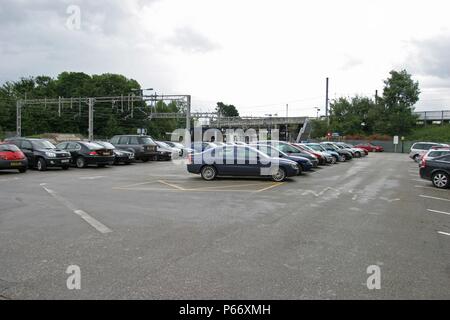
x=423, y=163
x=3, y=157
x=189, y=158
x=93, y=153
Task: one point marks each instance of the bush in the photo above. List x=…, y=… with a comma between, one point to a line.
x=432, y=133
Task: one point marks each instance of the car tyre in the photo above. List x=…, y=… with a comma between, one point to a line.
x=279, y=175
x=342, y=158
x=80, y=162
x=208, y=173
x=441, y=180
x=41, y=165
x=334, y=159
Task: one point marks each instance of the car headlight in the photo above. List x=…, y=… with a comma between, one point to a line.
x=50, y=154
x=294, y=166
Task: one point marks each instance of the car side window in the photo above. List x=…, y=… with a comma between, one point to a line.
x=115, y=140
x=62, y=145
x=73, y=146
x=133, y=141
x=26, y=145
x=418, y=146
x=123, y=140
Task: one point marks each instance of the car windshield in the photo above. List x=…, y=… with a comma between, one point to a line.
x=147, y=140
x=43, y=144
x=105, y=144
x=8, y=148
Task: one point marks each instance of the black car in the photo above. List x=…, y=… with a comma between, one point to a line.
x=291, y=150
x=437, y=170
x=303, y=163
x=41, y=153
x=143, y=147
x=120, y=156
x=344, y=155
x=88, y=153
x=11, y=158
x=240, y=161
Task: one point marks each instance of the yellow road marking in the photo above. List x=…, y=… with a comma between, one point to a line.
x=276, y=184
x=171, y=185
x=229, y=186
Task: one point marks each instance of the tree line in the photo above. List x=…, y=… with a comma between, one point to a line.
x=109, y=119
x=390, y=114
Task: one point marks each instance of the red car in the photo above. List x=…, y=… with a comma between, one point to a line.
x=11, y=158
x=370, y=147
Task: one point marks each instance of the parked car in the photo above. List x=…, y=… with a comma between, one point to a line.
x=291, y=150
x=323, y=157
x=184, y=150
x=11, y=158
x=358, y=152
x=303, y=163
x=435, y=153
x=344, y=155
x=41, y=153
x=120, y=156
x=88, y=153
x=143, y=147
x=166, y=152
x=370, y=147
x=318, y=147
x=437, y=170
x=240, y=161
x=420, y=148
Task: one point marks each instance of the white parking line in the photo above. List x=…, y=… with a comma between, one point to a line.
x=85, y=216
x=434, y=198
x=436, y=211
x=444, y=233
x=91, y=178
x=9, y=179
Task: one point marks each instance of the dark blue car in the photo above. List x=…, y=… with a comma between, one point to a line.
x=240, y=161
x=304, y=164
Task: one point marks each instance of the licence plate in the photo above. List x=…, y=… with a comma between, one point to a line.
x=64, y=161
x=16, y=164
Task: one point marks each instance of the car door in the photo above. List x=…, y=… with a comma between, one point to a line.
x=27, y=148
x=74, y=149
x=247, y=162
x=224, y=160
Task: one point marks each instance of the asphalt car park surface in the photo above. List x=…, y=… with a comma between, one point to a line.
x=153, y=231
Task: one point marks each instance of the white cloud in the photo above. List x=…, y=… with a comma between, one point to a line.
x=258, y=55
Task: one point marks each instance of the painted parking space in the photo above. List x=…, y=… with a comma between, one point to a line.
x=198, y=185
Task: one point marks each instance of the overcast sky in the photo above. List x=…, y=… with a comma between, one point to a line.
x=258, y=55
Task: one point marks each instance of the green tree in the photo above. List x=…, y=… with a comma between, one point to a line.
x=400, y=94
x=227, y=110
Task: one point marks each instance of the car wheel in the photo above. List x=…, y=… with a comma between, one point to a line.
x=342, y=158
x=358, y=155
x=23, y=170
x=41, y=165
x=334, y=160
x=80, y=162
x=279, y=175
x=208, y=173
x=441, y=180
x=416, y=158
